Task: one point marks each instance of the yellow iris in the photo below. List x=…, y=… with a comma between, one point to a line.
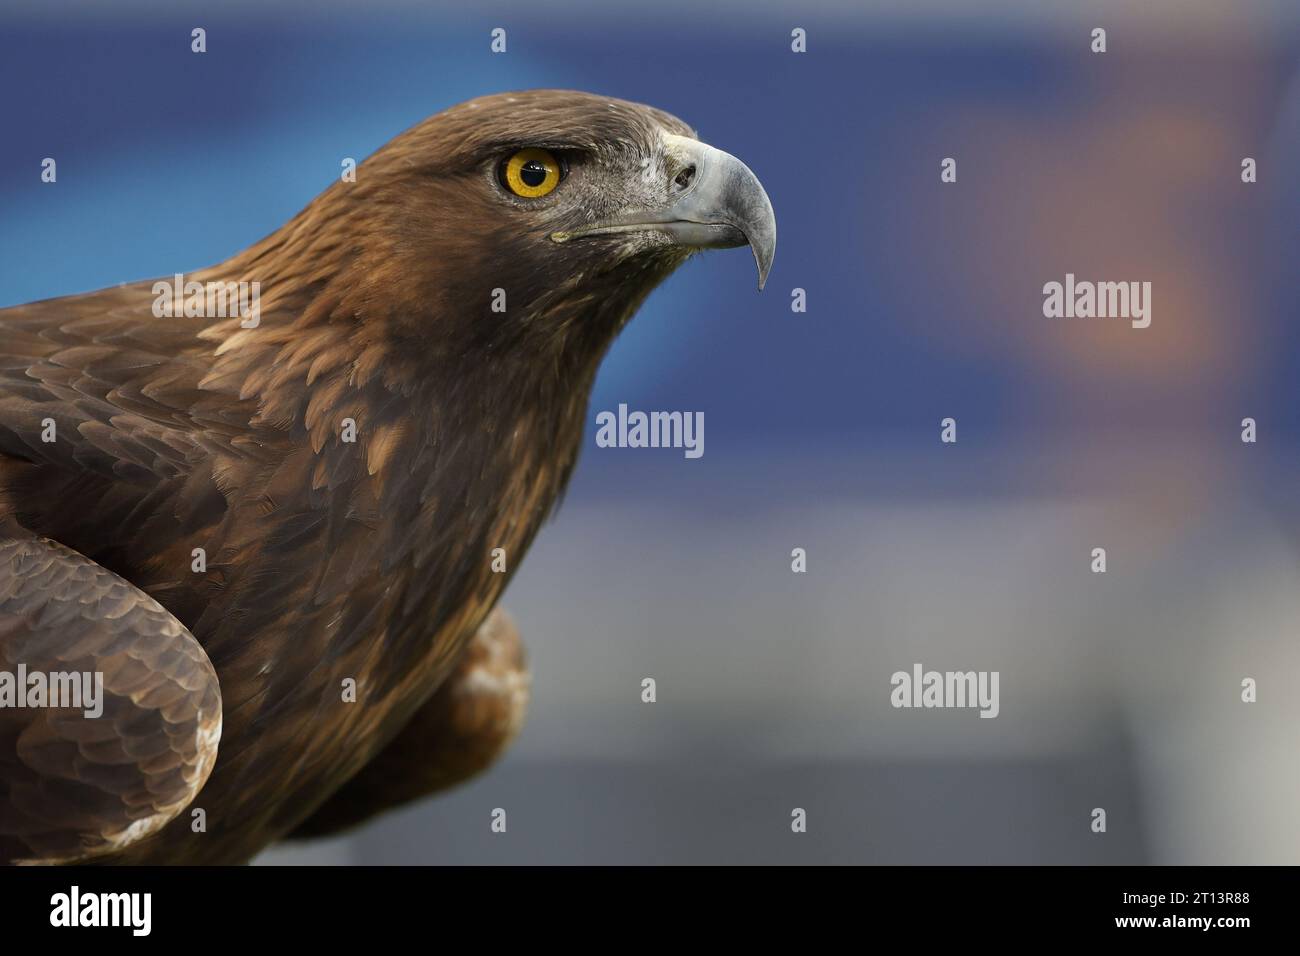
x=532, y=172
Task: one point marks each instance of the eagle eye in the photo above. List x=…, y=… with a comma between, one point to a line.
x=532, y=173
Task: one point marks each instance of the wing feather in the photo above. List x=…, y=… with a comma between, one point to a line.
x=123, y=387
x=74, y=787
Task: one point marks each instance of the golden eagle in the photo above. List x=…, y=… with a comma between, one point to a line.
x=270, y=532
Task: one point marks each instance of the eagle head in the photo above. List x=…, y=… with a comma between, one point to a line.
x=528, y=222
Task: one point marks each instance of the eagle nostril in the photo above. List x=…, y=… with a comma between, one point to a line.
x=685, y=177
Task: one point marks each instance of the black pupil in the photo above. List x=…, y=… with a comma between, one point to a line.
x=533, y=174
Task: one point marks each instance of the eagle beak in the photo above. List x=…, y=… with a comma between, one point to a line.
x=719, y=204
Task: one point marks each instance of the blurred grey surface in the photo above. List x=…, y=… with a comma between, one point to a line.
x=1118, y=690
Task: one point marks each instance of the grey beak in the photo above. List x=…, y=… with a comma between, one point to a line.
x=721, y=204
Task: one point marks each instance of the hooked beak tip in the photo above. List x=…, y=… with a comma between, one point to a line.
x=764, y=264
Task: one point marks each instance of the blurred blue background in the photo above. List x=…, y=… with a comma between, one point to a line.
x=924, y=301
